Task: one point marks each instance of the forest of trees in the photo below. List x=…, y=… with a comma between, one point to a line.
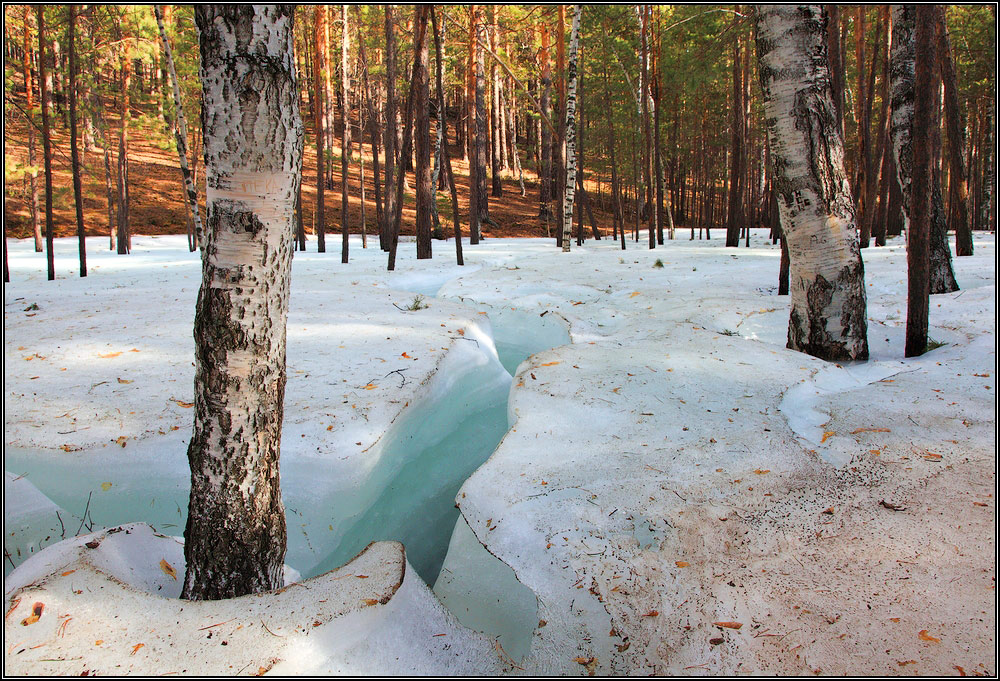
x=668, y=116
x=653, y=118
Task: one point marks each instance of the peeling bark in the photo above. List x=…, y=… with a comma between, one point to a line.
x=567, y=216
x=235, y=536
x=826, y=278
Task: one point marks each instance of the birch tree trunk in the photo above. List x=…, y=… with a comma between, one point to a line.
x=235, y=535
x=828, y=315
x=567, y=216
x=181, y=134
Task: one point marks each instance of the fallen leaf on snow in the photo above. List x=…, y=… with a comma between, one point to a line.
x=371, y=601
x=186, y=405
x=124, y=380
x=728, y=625
x=68, y=572
x=762, y=471
x=931, y=456
x=681, y=563
x=168, y=568
x=870, y=430
x=652, y=613
x=827, y=435
x=136, y=647
x=548, y=364
x=924, y=636
x=633, y=294
x=36, y=614
x=109, y=355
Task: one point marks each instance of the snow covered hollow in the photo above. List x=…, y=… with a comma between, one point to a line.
x=671, y=474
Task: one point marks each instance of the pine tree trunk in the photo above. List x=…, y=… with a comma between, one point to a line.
x=957, y=140
x=407, y=146
x=124, y=219
x=389, y=135
x=29, y=88
x=482, y=138
x=320, y=105
x=425, y=189
x=46, y=143
x=438, y=49
x=74, y=147
x=902, y=73
x=235, y=536
x=181, y=134
x=924, y=114
x=569, y=191
x=545, y=175
x=828, y=317
x=373, y=122
x=496, y=188
x=987, y=217
x=345, y=134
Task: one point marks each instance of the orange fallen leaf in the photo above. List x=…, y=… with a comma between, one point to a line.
x=906, y=662
x=931, y=456
x=924, y=636
x=978, y=503
x=548, y=364
x=109, y=355
x=404, y=355
x=168, y=568
x=961, y=672
x=633, y=294
x=371, y=601
x=682, y=563
x=652, y=613
x=98, y=641
x=827, y=435
x=186, y=405
x=68, y=572
x=124, y=380
x=894, y=619
x=36, y=614
x=134, y=350
x=728, y=625
x=330, y=427
x=762, y=471
x=461, y=332
x=982, y=375
x=135, y=648
x=370, y=386
x=870, y=430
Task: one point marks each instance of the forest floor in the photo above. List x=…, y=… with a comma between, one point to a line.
x=157, y=204
x=668, y=489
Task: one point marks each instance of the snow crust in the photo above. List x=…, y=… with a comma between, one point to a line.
x=669, y=464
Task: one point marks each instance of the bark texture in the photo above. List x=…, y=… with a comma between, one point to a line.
x=567, y=215
x=235, y=536
x=828, y=307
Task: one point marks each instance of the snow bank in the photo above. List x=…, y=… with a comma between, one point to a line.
x=106, y=603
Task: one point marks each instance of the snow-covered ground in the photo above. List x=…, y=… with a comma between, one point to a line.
x=669, y=474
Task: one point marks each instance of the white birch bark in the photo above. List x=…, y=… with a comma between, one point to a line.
x=181, y=133
x=828, y=316
x=235, y=536
x=574, y=43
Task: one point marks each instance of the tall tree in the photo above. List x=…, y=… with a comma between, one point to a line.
x=425, y=190
x=81, y=235
x=124, y=226
x=29, y=89
x=734, y=219
x=345, y=132
x=46, y=142
x=957, y=134
x=388, y=215
x=545, y=181
x=407, y=146
x=902, y=75
x=181, y=135
x=320, y=105
x=925, y=116
x=482, y=138
x=235, y=536
x=828, y=315
x=574, y=42
x=446, y=157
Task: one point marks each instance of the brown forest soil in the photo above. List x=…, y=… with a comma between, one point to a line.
x=157, y=200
